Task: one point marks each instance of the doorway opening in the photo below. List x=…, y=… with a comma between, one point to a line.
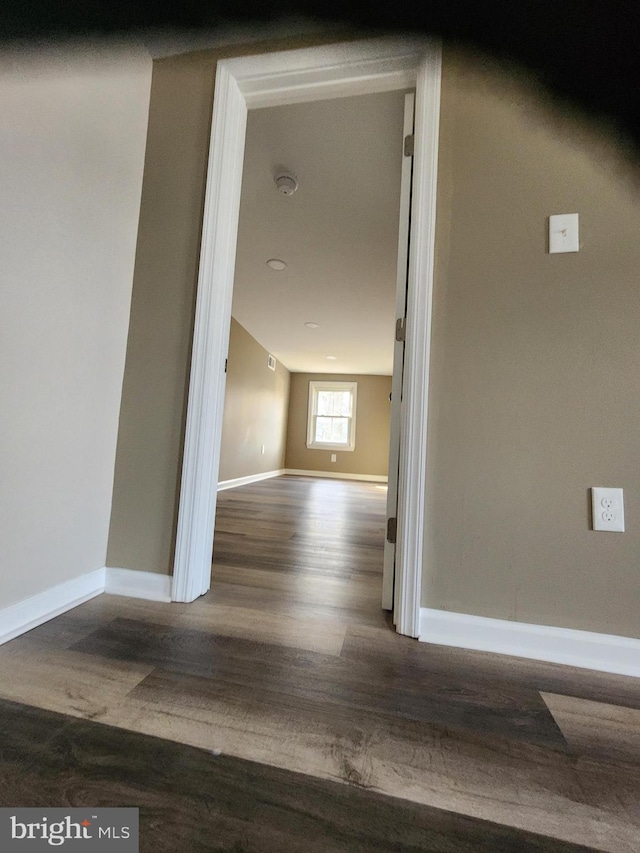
x=311, y=345
x=294, y=77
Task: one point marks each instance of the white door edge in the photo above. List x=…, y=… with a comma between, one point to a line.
x=389, y=560
x=281, y=78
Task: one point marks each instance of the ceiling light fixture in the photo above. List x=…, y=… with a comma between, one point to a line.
x=312, y=325
x=276, y=264
x=331, y=357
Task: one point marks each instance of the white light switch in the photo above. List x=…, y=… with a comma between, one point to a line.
x=563, y=233
x=607, y=509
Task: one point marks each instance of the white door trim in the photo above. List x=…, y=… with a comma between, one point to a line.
x=415, y=386
x=282, y=78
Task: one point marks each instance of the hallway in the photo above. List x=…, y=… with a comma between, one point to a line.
x=289, y=662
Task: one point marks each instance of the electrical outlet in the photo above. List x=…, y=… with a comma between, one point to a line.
x=607, y=509
x=334, y=457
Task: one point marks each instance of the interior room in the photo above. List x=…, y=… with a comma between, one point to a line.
x=282, y=709
x=315, y=283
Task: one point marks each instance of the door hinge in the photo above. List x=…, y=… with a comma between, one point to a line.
x=409, y=145
x=392, y=530
x=401, y=329
x=226, y=362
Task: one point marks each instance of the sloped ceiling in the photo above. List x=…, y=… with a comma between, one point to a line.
x=338, y=233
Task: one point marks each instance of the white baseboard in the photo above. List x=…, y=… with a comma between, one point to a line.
x=149, y=585
x=336, y=475
x=603, y=652
x=33, y=611
x=17, y=619
x=251, y=478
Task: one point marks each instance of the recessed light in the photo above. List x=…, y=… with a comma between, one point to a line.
x=312, y=325
x=276, y=264
x=331, y=357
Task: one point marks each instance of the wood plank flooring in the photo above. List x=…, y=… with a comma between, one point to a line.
x=289, y=662
x=191, y=800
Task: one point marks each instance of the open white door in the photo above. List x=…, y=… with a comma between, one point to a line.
x=388, y=572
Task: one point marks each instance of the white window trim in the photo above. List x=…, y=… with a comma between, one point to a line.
x=318, y=385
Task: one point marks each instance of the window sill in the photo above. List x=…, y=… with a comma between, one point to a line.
x=341, y=447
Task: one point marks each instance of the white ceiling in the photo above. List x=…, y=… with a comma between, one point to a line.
x=338, y=233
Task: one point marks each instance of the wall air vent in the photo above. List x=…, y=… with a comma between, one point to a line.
x=271, y=362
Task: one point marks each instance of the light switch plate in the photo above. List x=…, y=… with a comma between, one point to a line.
x=607, y=509
x=563, y=233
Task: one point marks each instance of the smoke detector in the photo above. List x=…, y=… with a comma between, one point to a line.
x=286, y=184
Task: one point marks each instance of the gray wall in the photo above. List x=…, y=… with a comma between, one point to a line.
x=536, y=364
x=255, y=409
x=72, y=141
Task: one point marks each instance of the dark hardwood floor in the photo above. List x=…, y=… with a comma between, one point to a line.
x=286, y=688
x=191, y=800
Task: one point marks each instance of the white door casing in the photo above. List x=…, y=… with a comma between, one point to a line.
x=273, y=79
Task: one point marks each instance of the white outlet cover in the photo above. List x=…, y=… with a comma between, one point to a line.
x=607, y=509
x=563, y=233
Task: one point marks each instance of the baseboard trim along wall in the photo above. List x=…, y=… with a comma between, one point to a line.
x=602, y=652
x=336, y=475
x=18, y=618
x=151, y=586
x=251, y=478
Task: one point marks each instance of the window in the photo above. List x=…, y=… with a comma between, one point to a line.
x=331, y=424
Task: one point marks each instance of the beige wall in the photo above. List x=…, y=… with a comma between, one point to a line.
x=72, y=141
x=536, y=365
x=154, y=397
x=255, y=409
x=371, y=455
x=148, y=461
